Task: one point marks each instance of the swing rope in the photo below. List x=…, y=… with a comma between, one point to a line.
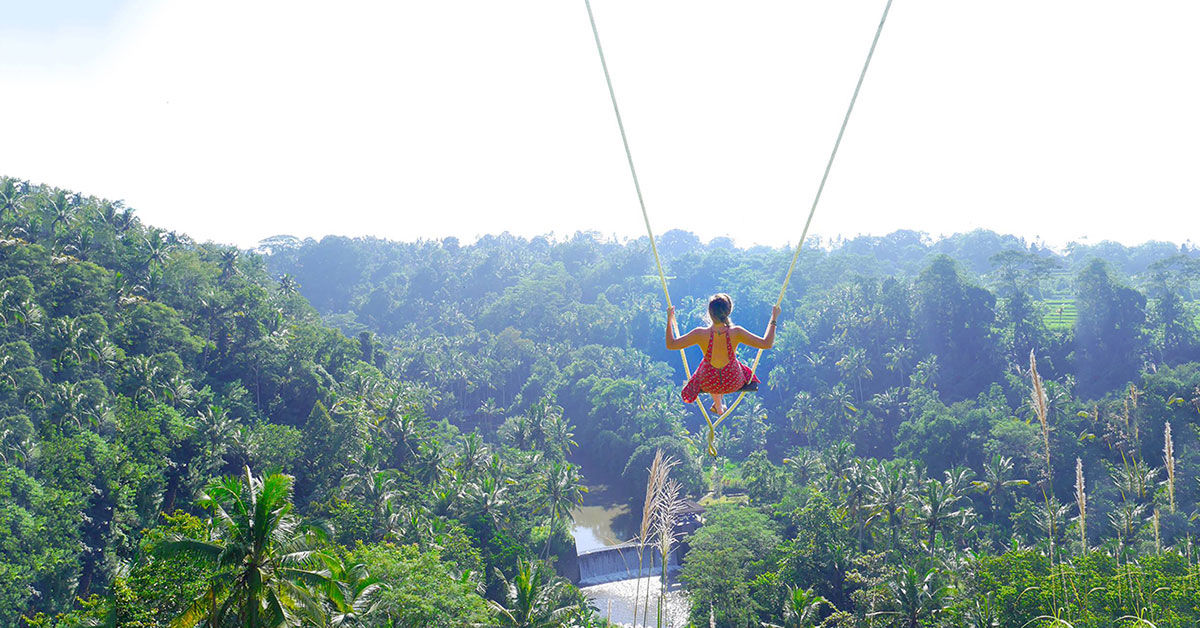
x=712, y=425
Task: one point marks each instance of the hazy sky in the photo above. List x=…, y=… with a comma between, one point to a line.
x=234, y=121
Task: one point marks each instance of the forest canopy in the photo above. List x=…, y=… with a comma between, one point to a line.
x=414, y=419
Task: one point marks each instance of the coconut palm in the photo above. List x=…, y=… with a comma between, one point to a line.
x=143, y=377
x=803, y=464
x=228, y=263
x=899, y=357
x=857, y=483
x=352, y=592
x=937, y=506
x=535, y=598
x=891, y=491
x=801, y=609
x=372, y=487
x=855, y=365
x=60, y=207
x=262, y=563
x=288, y=285
x=561, y=490
x=214, y=429
x=12, y=196
x=559, y=435
x=69, y=403
x=997, y=481
x=489, y=496
x=472, y=456
x=917, y=596
x=837, y=460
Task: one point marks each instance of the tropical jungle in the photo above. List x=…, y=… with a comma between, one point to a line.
x=968, y=431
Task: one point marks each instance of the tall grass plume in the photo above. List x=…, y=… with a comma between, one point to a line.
x=1081, y=502
x=1169, y=461
x=1041, y=407
x=656, y=487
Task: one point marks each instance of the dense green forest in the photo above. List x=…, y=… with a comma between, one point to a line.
x=365, y=432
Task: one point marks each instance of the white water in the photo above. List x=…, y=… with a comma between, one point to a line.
x=615, y=601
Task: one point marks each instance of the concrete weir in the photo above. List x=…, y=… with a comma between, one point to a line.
x=620, y=562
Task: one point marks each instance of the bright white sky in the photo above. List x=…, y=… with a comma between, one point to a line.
x=232, y=121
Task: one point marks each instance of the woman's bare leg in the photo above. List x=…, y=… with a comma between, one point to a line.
x=718, y=405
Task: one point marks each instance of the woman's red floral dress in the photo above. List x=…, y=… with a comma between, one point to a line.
x=727, y=379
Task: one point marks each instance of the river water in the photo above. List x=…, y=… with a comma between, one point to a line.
x=604, y=520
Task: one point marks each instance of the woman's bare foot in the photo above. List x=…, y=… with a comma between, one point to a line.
x=717, y=406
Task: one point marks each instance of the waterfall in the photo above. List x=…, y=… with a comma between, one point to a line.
x=620, y=562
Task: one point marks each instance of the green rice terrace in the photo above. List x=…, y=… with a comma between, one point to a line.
x=1060, y=313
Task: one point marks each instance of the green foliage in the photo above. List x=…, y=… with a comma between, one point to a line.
x=438, y=437
x=1091, y=591
x=734, y=547
x=420, y=589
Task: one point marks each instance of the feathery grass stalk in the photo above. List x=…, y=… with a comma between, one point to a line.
x=668, y=511
x=1134, y=393
x=1041, y=408
x=660, y=467
x=1081, y=501
x=1169, y=458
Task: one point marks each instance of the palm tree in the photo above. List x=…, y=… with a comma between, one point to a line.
x=143, y=375
x=107, y=212
x=124, y=221
x=561, y=491
x=489, y=496
x=936, y=506
x=490, y=410
x=12, y=196
x=61, y=207
x=855, y=364
x=262, y=561
x=214, y=428
x=801, y=609
x=535, y=598
x=15, y=450
x=899, y=357
x=891, y=491
x=29, y=314
x=473, y=455
x=997, y=480
x=228, y=263
x=156, y=249
x=559, y=436
x=373, y=488
x=179, y=391
x=69, y=399
x=857, y=481
x=837, y=460
x=68, y=336
x=352, y=592
x=958, y=479
x=102, y=353
x=803, y=464
x=917, y=595
x=288, y=285
x=840, y=403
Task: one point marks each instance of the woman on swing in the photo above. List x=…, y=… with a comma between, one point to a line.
x=720, y=373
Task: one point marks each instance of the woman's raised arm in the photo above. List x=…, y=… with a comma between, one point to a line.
x=674, y=343
x=766, y=341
